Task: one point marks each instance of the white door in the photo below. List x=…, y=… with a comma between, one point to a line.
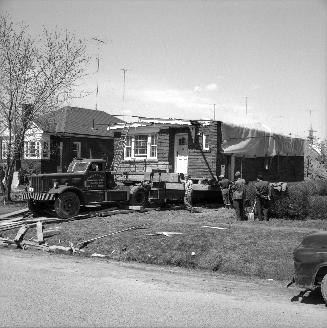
x=181, y=153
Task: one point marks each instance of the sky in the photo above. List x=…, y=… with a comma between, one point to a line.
x=258, y=63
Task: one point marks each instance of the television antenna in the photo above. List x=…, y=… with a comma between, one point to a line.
x=99, y=43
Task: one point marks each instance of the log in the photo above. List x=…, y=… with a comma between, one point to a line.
x=39, y=232
x=20, y=234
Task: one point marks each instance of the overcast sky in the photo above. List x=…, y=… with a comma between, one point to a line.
x=184, y=56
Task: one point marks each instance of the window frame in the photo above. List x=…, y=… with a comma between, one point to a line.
x=37, y=149
x=78, y=149
x=151, y=147
x=205, y=142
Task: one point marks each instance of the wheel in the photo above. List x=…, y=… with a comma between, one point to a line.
x=35, y=207
x=139, y=196
x=67, y=205
x=323, y=288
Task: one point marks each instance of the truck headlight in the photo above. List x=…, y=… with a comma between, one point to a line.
x=55, y=184
x=30, y=189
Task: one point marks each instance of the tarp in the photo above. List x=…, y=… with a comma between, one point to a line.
x=248, y=142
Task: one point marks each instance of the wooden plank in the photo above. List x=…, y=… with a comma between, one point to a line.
x=174, y=186
x=39, y=232
x=20, y=234
x=10, y=214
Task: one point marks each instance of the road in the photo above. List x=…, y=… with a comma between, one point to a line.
x=43, y=290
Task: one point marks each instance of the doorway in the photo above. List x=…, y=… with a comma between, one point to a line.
x=181, y=153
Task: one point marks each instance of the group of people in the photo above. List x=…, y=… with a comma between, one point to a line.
x=234, y=195
x=236, y=191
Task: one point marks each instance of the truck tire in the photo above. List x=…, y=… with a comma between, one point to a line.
x=323, y=288
x=67, y=205
x=139, y=196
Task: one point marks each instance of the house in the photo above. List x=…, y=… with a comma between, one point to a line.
x=55, y=139
x=206, y=149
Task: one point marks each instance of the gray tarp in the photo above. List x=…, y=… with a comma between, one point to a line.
x=249, y=142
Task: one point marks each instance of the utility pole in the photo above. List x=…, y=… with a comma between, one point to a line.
x=99, y=42
x=124, y=70
x=214, y=112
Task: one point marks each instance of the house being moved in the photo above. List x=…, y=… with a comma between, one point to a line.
x=206, y=149
x=70, y=132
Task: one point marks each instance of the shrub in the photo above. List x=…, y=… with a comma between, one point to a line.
x=317, y=207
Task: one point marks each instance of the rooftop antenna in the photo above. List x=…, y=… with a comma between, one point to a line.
x=99, y=42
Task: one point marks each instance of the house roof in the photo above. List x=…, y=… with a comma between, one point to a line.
x=76, y=120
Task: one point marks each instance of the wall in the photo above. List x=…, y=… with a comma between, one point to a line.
x=274, y=169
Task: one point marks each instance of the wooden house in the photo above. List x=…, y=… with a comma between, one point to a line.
x=206, y=149
x=70, y=132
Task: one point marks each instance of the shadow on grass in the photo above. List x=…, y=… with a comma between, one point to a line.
x=308, y=296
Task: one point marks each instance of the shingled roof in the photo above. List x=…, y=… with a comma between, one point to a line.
x=76, y=120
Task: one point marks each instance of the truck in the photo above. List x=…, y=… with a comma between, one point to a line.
x=88, y=181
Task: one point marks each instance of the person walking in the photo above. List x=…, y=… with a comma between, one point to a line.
x=2, y=176
x=188, y=186
x=262, y=193
x=224, y=185
x=238, y=194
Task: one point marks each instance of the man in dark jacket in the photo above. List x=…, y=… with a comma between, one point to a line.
x=238, y=192
x=224, y=185
x=262, y=192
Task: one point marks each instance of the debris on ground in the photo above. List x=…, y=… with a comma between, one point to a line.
x=165, y=233
x=219, y=228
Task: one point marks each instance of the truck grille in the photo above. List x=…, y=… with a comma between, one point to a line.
x=41, y=184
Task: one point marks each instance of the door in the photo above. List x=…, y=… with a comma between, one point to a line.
x=181, y=152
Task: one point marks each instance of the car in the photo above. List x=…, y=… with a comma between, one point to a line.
x=310, y=263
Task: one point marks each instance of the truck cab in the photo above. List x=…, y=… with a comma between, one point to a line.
x=86, y=181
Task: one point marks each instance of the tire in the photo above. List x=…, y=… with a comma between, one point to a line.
x=67, y=205
x=323, y=288
x=139, y=196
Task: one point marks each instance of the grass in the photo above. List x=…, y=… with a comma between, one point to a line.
x=261, y=249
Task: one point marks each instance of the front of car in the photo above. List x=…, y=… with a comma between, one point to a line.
x=310, y=260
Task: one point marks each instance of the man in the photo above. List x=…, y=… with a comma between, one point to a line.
x=238, y=194
x=224, y=185
x=262, y=193
x=188, y=186
x=2, y=176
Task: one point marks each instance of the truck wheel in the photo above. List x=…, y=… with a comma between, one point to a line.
x=323, y=288
x=67, y=205
x=139, y=196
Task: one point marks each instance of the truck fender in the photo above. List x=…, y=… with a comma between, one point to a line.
x=62, y=189
x=321, y=266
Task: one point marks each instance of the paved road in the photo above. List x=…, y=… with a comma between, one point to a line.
x=42, y=290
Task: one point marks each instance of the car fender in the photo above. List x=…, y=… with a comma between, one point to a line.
x=318, y=267
x=61, y=189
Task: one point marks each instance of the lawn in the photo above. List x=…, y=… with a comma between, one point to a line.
x=212, y=240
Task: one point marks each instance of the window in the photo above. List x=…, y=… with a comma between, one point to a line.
x=45, y=150
x=153, y=145
x=128, y=147
x=77, y=149
x=32, y=149
x=182, y=141
x=141, y=146
x=205, y=142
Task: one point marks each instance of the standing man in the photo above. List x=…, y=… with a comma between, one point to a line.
x=262, y=193
x=2, y=176
x=238, y=192
x=188, y=186
x=224, y=185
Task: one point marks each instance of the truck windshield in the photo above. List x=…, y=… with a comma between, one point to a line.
x=75, y=167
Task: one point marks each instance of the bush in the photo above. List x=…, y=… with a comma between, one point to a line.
x=302, y=200
x=317, y=207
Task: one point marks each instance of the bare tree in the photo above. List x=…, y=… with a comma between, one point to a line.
x=37, y=75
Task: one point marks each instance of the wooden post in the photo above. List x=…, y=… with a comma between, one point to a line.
x=20, y=234
x=39, y=232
